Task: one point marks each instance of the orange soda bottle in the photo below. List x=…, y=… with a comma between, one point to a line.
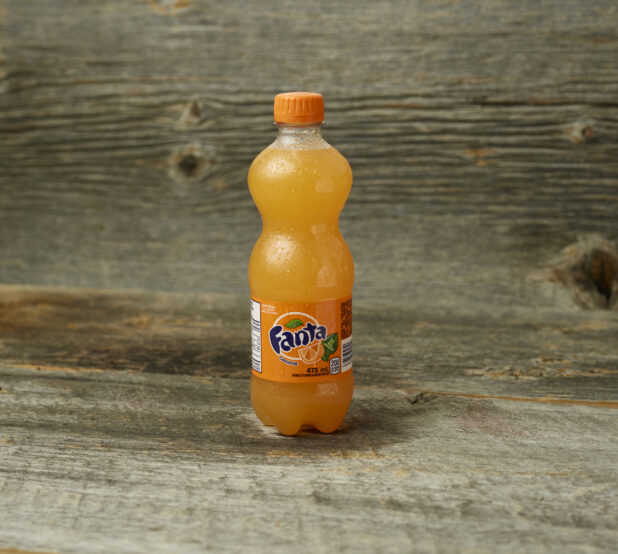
x=300, y=275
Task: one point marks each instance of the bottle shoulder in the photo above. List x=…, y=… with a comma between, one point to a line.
x=275, y=162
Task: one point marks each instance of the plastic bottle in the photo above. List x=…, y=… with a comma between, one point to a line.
x=300, y=275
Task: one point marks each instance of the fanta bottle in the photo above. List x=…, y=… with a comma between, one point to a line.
x=300, y=274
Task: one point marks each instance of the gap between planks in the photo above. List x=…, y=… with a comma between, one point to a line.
x=542, y=400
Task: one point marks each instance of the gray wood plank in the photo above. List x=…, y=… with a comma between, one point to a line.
x=100, y=461
x=520, y=353
x=483, y=139
x=483, y=219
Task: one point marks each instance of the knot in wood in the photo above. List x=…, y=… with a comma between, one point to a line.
x=599, y=268
x=589, y=270
x=422, y=398
x=191, y=163
x=581, y=130
x=192, y=114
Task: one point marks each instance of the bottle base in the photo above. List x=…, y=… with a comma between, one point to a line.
x=263, y=416
x=293, y=407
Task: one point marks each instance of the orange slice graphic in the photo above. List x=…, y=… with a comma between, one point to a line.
x=310, y=353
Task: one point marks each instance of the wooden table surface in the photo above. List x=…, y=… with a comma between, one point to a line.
x=126, y=425
x=483, y=221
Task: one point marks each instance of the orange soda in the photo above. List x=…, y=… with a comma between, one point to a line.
x=300, y=275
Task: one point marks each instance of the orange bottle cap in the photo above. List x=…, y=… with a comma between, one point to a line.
x=299, y=108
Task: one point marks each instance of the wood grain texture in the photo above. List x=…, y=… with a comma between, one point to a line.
x=483, y=138
x=484, y=142
x=519, y=353
x=101, y=461
x=489, y=432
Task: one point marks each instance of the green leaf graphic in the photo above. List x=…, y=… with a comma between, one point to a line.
x=293, y=323
x=330, y=346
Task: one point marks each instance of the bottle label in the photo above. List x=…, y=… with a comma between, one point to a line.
x=301, y=342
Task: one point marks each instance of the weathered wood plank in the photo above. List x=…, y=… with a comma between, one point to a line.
x=100, y=461
x=523, y=353
x=483, y=139
x=483, y=218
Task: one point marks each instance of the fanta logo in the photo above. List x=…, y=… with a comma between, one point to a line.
x=294, y=331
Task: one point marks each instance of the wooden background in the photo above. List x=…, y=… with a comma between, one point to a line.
x=483, y=138
x=483, y=221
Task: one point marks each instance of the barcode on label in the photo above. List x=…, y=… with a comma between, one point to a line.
x=346, y=353
x=256, y=336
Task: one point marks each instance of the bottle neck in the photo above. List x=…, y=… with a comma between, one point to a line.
x=303, y=136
